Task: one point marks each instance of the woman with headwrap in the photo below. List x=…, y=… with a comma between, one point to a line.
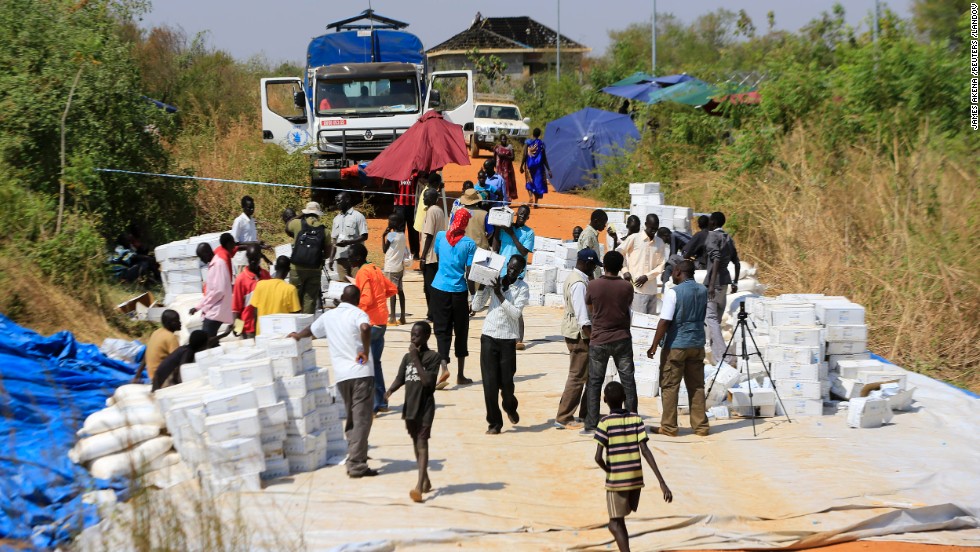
x=449, y=301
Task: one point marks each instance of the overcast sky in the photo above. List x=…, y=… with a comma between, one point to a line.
x=281, y=30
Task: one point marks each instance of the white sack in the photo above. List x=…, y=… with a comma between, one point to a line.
x=114, y=417
x=111, y=441
x=132, y=460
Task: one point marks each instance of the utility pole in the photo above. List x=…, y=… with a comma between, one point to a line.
x=653, y=41
x=558, y=41
x=877, y=15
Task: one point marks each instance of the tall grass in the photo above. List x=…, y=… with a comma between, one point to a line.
x=893, y=231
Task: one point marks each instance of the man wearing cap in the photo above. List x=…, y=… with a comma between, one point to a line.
x=576, y=327
x=308, y=228
x=349, y=227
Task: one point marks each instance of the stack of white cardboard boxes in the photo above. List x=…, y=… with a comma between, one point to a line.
x=646, y=198
x=647, y=370
x=180, y=269
x=815, y=346
x=255, y=409
x=550, y=256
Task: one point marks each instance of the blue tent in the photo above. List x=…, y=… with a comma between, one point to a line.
x=577, y=142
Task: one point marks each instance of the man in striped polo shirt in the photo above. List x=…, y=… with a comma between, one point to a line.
x=623, y=437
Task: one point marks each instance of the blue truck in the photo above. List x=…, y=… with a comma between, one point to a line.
x=365, y=84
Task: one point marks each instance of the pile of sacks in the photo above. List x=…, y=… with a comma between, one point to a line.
x=124, y=439
x=255, y=409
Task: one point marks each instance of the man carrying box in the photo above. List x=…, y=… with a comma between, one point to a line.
x=682, y=321
x=516, y=240
x=275, y=295
x=498, y=352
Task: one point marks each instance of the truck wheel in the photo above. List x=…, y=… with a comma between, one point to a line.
x=474, y=147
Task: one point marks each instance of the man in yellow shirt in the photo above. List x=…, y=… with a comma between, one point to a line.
x=163, y=341
x=275, y=295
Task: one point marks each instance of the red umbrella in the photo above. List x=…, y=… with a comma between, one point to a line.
x=428, y=145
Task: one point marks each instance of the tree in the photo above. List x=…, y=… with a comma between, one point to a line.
x=939, y=19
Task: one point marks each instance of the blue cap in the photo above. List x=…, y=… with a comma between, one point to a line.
x=589, y=255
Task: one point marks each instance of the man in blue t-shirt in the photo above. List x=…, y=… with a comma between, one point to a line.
x=516, y=240
x=449, y=301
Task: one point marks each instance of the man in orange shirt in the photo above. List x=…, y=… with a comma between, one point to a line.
x=375, y=291
x=241, y=292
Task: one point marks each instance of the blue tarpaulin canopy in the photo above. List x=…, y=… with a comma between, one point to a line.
x=576, y=145
x=48, y=386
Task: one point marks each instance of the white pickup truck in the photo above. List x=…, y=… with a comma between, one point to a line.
x=493, y=116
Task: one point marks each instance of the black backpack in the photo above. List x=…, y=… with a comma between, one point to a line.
x=308, y=249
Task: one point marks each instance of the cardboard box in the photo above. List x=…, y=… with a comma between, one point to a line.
x=273, y=416
x=298, y=407
x=308, y=360
x=291, y=387
x=233, y=399
x=209, y=357
x=834, y=360
x=145, y=301
x=762, y=404
x=615, y=217
x=642, y=337
x=541, y=258
x=251, y=372
x=791, y=315
x=192, y=371
x=554, y=300
x=646, y=387
x=856, y=332
x=799, y=389
x=643, y=188
x=847, y=388
x=500, y=216
x=297, y=445
x=288, y=366
x=272, y=433
x=274, y=450
x=787, y=370
x=233, y=425
x=789, y=353
x=846, y=347
x=647, y=199
x=318, y=379
x=233, y=450
x=807, y=336
x=284, y=324
x=540, y=275
x=839, y=314
x=546, y=244
x=303, y=426
x=868, y=412
x=266, y=394
x=283, y=347
x=642, y=320
x=301, y=463
x=881, y=376
x=800, y=407
x=334, y=290
x=275, y=469
x=486, y=267
x=851, y=368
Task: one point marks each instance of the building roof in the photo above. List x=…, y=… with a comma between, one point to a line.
x=506, y=33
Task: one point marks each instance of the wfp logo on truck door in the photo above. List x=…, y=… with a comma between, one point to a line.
x=298, y=137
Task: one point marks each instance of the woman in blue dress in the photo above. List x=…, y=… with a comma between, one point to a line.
x=535, y=163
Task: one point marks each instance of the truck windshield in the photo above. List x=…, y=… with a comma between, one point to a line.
x=507, y=112
x=365, y=96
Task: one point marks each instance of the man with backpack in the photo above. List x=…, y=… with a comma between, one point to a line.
x=720, y=250
x=311, y=249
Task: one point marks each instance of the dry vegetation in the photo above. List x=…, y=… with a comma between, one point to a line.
x=878, y=234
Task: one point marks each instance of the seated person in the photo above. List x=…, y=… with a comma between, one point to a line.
x=168, y=373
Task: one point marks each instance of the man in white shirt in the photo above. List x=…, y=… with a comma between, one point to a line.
x=349, y=227
x=645, y=254
x=498, y=344
x=348, y=332
x=245, y=233
x=576, y=327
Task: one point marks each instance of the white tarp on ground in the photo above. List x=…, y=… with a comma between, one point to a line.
x=807, y=483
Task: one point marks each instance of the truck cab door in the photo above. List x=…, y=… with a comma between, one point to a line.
x=285, y=117
x=451, y=92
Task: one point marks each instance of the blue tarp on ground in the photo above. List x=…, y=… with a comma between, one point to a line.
x=48, y=386
x=576, y=144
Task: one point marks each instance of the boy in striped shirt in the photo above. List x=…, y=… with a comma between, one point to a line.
x=623, y=437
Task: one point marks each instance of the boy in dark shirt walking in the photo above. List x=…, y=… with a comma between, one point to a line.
x=418, y=372
x=623, y=437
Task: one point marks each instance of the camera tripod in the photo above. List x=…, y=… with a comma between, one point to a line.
x=743, y=326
